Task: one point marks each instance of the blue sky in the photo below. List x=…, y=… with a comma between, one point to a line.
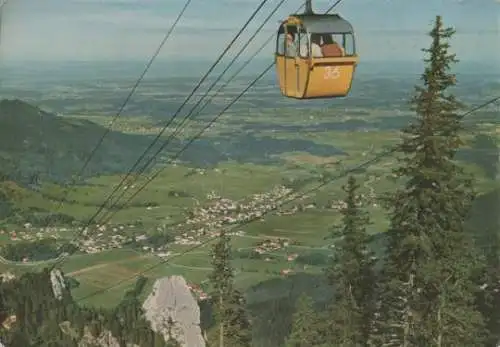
x=60, y=30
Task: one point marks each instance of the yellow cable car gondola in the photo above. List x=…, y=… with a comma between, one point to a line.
x=315, y=55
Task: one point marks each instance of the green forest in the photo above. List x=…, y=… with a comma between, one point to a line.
x=437, y=284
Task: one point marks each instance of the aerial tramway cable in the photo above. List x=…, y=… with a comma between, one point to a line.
x=190, y=115
x=159, y=135
x=124, y=104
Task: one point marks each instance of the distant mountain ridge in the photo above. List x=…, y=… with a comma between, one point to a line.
x=38, y=144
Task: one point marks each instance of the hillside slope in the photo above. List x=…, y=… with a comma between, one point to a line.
x=37, y=144
x=19, y=205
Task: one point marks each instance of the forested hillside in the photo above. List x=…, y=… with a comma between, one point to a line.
x=37, y=145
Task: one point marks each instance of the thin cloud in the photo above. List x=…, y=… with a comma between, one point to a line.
x=126, y=29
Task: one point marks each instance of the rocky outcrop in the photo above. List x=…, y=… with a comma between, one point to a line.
x=172, y=301
x=105, y=339
x=7, y=277
x=58, y=283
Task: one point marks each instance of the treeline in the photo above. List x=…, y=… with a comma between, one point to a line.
x=38, y=250
x=434, y=286
x=11, y=193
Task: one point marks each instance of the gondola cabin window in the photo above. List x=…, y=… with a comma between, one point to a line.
x=336, y=45
x=280, y=44
x=304, y=48
x=295, y=41
x=348, y=44
x=291, y=41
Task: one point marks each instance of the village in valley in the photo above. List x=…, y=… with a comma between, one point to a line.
x=202, y=222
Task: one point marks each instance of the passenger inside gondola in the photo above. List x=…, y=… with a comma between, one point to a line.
x=291, y=47
x=316, y=51
x=330, y=48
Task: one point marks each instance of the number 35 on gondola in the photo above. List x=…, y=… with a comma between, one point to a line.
x=331, y=73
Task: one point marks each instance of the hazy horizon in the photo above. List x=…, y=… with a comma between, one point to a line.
x=193, y=67
x=130, y=30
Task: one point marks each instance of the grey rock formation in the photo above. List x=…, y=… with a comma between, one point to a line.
x=172, y=300
x=106, y=339
x=58, y=283
x=6, y=277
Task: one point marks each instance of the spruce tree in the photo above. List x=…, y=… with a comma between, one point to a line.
x=486, y=225
x=489, y=298
x=233, y=327
x=351, y=275
x=428, y=293
x=238, y=330
x=305, y=330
